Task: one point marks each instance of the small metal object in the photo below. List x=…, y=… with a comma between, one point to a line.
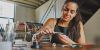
x=76, y=46
x=36, y=45
x=64, y=46
x=54, y=45
x=58, y=33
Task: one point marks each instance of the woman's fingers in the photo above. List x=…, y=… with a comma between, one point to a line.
x=64, y=37
x=46, y=31
x=42, y=32
x=51, y=31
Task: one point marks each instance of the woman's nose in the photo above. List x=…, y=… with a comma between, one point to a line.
x=68, y=13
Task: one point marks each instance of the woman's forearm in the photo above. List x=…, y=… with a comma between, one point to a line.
x=66, y=40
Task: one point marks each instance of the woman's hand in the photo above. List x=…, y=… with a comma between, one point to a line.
x=65, y=39
x=46, y=31
x=40, y=33
x=48, y=26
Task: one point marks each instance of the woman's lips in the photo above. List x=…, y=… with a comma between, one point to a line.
x=66, y=17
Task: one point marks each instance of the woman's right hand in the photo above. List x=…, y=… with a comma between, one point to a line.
x=41, y=32
x=46, y=31
x=48, y=26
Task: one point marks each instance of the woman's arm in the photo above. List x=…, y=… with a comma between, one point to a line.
x=47, y=28
x=65, y=39
x=81, y=40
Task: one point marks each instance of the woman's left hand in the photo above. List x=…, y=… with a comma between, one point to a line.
x=65, y=39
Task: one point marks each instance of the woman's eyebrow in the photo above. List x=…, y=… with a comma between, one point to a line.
x=68, y=9
x=73, y=10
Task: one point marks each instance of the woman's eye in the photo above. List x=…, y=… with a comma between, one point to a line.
x=72, y=12
x=65, y=9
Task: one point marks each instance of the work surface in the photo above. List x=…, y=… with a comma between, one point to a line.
x=48, y=46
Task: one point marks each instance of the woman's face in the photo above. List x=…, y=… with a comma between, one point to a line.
x=69, y=11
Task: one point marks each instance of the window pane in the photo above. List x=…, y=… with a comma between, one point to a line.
x=3, y=22
x=6, y=12
x=6, y=9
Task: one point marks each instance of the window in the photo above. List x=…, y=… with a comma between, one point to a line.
x=6, y=13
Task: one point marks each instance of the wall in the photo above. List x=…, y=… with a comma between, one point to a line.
x=42, y=9
x=92, y=27
x=24, y=14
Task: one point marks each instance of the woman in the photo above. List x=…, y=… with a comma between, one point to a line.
x=70, y=24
